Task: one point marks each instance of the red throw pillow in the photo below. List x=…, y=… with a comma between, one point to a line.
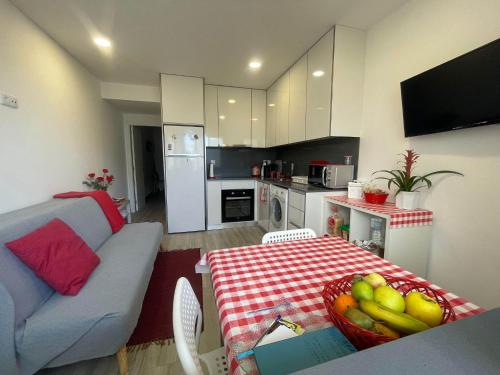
x=57, y=255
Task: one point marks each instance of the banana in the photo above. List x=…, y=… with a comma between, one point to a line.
x=399, y=321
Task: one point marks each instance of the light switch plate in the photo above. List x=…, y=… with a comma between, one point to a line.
x=8, y=101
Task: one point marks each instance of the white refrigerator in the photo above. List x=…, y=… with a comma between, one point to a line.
x=184, y=178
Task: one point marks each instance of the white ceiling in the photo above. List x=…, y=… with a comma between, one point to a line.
x=214, y=39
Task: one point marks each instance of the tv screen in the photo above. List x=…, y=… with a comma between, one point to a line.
x=460, y=93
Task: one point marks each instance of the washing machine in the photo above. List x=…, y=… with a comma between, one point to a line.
x=278, y=210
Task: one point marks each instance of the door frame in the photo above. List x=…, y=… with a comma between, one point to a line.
x=129, y=121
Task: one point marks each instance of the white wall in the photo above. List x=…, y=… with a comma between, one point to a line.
x=62, y=129
x=422, y=34
x=123, y=91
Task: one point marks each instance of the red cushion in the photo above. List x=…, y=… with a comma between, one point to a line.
x=57, y=255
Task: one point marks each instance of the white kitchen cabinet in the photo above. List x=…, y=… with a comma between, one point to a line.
x=235, y=112
x=211, y=117
x=282, y=109
x=214, y=209
x=347, y=83
x=182, y=100
x=258, y=118
x=319, y=88
x=297, y=109
x=272, y=103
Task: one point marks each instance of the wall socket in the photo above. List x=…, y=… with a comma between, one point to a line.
x=8, y=101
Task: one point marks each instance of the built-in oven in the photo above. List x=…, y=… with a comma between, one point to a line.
x=237, y=205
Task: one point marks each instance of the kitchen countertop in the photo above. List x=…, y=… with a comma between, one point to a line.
x=287, y=184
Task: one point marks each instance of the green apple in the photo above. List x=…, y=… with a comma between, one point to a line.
x=424, y=308
x=390, y=298
x=375, y=280
x=362, y=290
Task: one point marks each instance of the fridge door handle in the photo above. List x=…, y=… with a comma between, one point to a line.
x=185, y=155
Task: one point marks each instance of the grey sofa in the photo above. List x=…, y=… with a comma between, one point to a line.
x=40, y=328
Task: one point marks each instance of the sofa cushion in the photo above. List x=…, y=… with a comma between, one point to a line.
x=103, y=315
x=57, y=255
x=28, y=291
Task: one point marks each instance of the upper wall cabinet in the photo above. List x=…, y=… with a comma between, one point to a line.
x=211, y=117
x=348, y=81
x=258, y=118
x=282, y=107
x=319, y=87
x=235, y=113
x=272, y=103
x=182, y=100
x=297, y=110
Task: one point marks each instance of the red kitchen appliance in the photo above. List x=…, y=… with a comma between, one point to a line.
x=255, y=171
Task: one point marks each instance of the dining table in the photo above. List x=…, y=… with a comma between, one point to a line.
x=252, y=284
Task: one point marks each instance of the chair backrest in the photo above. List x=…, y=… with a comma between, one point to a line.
x=187, y=318
x=288, y=235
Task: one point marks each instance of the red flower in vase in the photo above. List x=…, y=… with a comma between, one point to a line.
x=110, y=178
x=100, y=179
x=105, y=170
x=91, y=175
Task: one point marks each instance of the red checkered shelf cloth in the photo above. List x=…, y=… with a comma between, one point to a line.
x=246, y=279
x=398, y=218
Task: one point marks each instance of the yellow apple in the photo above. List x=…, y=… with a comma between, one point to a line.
x=390, y=298
x=424, y=308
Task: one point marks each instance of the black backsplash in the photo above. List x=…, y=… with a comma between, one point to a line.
x=237, y=162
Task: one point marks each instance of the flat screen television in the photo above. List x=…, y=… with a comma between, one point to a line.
x=461, y=93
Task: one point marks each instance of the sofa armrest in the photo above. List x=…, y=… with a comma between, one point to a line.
x=8, y=362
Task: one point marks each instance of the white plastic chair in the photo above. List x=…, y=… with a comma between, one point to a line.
x=288, y=235
x=187, y=318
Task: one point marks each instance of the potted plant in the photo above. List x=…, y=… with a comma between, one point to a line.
x=99, y=182
x=408, y=184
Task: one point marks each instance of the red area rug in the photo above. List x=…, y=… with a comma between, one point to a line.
x=155, y=321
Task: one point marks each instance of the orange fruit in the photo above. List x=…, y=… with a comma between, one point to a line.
x=343, y=302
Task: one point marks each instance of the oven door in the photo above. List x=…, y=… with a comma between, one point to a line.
x=237, y=205
x=317, y=174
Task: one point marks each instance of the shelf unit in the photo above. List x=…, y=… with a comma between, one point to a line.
x=407, y=233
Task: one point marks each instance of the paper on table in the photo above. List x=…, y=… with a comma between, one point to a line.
x=280, y=333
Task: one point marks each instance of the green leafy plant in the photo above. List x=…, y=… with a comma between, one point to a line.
x=403, y=178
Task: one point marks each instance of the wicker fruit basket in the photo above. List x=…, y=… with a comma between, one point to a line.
x=360, y=337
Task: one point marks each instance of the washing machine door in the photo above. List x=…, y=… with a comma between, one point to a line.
x=276, y=213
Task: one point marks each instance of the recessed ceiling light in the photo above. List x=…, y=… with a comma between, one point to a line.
x=318, y=73
x=222, y=117
x=271, y=104
x=102, y=42
x=231, y=101
x=254, y=64
x=255, y=119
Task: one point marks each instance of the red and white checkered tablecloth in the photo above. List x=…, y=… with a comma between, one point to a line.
x=398, y=218
x=250, y=278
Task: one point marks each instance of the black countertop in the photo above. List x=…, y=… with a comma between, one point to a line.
x=287, y=184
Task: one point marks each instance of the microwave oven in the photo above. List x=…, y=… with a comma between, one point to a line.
x=331, y=176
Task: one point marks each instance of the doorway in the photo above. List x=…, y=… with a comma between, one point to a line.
x=147, y=164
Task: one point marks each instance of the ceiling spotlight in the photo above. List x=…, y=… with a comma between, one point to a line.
x=255, y=119
x=222, y=117
x=231, y=101
x=102, y=42
x=318, y=73
x=271, y=104
x=255, y=64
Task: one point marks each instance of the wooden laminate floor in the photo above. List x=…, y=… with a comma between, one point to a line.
x=163, y=360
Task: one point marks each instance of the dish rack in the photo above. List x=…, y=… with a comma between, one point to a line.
x=300, y=180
